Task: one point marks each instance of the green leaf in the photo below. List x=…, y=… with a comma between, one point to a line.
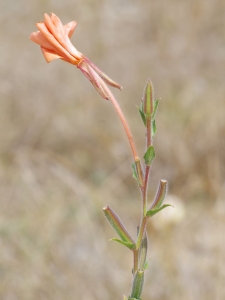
x=146, y=264
x=152, y=212
x=135, y=175
x=153, y=128
x=126, y=244
x=155, y=107
x=143, y=117
x=149, y=155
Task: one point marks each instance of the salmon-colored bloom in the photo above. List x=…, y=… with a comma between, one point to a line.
x=54, y=39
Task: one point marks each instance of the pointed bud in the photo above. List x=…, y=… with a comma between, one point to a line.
x=117, y=224
x=148, y=99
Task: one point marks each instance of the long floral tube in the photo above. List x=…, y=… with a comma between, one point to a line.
x=54, y=40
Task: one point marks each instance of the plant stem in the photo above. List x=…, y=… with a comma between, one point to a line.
x=123, y=120
x=141, y=231
x=147, y=168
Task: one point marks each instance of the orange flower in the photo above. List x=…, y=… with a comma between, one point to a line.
x=54, y=39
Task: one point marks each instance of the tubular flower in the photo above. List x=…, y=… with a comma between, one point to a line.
x=54, y=40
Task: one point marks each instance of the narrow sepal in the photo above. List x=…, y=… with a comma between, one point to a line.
x=124, y=297
x=104, y=77
x=93, y=77
x=117, y=225
x=149, y=155
x=126, y=244
x=137, y=284
x=152, y=212
x=160, y=195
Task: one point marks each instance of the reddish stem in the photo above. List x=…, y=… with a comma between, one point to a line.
x=122, y=118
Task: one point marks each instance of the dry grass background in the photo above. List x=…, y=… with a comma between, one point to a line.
x=63, y=152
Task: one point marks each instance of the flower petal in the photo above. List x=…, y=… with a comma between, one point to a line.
x=57, y=22
x=70, y=27
x=58, y=49
x=49, y=55
x=56, y=30
x=38, y=38
x=55, y=26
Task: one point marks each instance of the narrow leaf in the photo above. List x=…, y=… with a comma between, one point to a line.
x=143, y=117
x=117, y=225
x=155, y=107
x=139, y=171
x=149, y=155
x=135, y=175
x=152, y=212
x=126, y=244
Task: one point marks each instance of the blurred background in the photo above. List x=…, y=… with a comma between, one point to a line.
x=64, y=154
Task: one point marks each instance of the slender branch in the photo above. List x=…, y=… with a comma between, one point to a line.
x=145, y=188
x=123, y=120
x=141, y=231
x=147, y=168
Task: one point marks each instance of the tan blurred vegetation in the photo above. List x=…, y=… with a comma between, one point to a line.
x=64, y=155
